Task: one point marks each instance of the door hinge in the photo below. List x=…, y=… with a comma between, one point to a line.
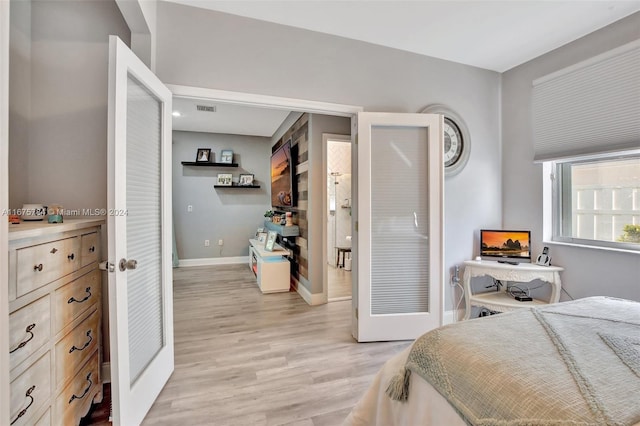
x=356, y=313
x=356, y=226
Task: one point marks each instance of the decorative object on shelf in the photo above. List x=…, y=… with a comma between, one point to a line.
x=289, y=219
x=268, y=215
x=33, y=212
x=225, y=179
x=246, y=180
x=457, y=143
x=544, y=259
x=203, y=155
x=271, y=240
x=55, y=213
x=262, y=237
x=226, y=156
x=14, y=218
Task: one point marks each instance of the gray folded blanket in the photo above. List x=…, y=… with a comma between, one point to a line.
x=573, y=363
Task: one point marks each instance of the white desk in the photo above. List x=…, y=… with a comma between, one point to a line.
x=500, y=300
x=271, y=268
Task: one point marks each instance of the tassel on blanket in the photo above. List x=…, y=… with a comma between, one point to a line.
x=398, y=388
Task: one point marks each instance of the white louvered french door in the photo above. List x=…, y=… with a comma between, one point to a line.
x=400, y=182
x=139, y=235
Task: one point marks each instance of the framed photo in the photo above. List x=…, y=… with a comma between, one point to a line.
x=225, y=179
x=226, y=156
x=246, y=180
x=262, y=237
x=271, y=240
x=203, y=155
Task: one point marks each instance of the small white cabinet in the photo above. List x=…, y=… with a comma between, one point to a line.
x=271, y=268
x=499, y=300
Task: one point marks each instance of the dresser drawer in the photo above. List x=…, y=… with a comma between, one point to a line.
x=30, y=391
x=74, y=348
x=45, y=419
x=41, y=264
x=75, y=298
x=89, y=249
x=74, y=401
x=29, y=329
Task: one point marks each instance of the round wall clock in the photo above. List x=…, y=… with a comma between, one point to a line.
x=457, y=144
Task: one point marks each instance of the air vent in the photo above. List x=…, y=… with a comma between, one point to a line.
x=206, y=108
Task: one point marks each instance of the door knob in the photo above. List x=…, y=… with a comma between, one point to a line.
x=128, y=264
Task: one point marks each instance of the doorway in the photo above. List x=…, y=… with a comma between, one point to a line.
x=338, y=202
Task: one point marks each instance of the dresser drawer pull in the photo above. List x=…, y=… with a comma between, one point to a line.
x=71, y=256
x=74, y=396
x=24, y=343
x=53, y=250
x=24, y=411
x=87, y=297
x=37, y=268
x=73, y=348
x=92, y=249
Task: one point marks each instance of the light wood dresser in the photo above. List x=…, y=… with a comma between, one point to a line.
x=55, y=316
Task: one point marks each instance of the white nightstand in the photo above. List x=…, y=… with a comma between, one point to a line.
x=500, y=300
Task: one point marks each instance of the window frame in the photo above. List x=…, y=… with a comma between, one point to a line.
x=558, y=216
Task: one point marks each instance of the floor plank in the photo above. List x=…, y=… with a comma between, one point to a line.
x=244, y=358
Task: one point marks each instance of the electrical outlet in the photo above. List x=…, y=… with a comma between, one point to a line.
x=207, y=243
x=220, y=242
x=189, y=208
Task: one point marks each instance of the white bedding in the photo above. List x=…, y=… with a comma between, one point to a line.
x=425, y=406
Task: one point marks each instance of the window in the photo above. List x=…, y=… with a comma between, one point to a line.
x=596, y=202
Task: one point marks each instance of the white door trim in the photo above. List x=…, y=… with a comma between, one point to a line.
x=326, y=137
x=4, y=204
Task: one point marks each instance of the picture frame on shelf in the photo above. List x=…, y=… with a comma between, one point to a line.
x=271, y=240
x=203, y=155
x=245, y=180
x=225, y=179
x=226, y=156
x=262, y=237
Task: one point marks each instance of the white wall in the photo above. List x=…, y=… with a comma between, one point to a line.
x=588, y=271
x=230, y=214
x=216, y=50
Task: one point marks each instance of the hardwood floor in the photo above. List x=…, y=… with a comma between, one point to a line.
x=338, y=282
x=244, y=358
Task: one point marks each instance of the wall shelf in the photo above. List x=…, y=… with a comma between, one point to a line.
x=285, y=231
x=203, y=164
x=236, y=186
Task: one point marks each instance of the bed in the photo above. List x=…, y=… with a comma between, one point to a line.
x=572, y=363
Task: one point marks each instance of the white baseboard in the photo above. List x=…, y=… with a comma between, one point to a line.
x=186, y=263
x=311, y=298
x=105, y=371
x=449, y=317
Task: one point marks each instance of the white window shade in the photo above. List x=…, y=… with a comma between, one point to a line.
x=589, y=108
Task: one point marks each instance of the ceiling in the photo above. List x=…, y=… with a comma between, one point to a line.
x=495, y=35
x=228, y=118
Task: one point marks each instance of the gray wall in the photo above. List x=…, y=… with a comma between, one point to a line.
x=319, y=124
x=58, y=145
x=588, y=271
x=215, y=50
x=230, y=214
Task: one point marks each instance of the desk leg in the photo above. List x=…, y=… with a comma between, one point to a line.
x=466, y=283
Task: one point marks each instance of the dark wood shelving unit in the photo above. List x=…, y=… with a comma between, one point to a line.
x=236, y=186
x=203, y=164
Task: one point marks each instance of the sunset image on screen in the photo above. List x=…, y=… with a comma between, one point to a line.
x=505, y=243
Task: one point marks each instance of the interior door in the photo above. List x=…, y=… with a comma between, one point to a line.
x=139, y=235
x=399, y=228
